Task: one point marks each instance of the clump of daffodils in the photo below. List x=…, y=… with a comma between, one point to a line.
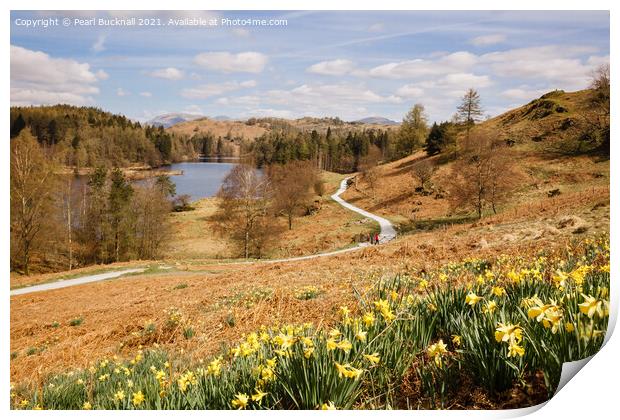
x=512, y=335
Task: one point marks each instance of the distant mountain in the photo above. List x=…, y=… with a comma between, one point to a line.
x=168, y=120
x=221, y=118
x=377, y=120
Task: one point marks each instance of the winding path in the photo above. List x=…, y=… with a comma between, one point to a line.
x=387, y=234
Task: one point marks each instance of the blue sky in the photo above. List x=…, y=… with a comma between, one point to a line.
x=350, y=64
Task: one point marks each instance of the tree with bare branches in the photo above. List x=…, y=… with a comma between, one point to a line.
x=244, y=203
x=32, y=185
x=423, y=172
x=292, y=185
x=483, y=176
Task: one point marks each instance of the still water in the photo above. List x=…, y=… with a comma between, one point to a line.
x=200, y=179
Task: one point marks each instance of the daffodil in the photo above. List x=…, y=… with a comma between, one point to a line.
x=308, y=352
x=258, y=396
x=591, y=306
x=120, y=395
x=498, y=291
x=489, y=307
x=328, y=406
x=436, y=351
x=331, y=344
x=361, y=335
x=456, y=340
x=345, y=346
x=471, y=299
x=240, y=401
x=508, y=332
x=87, y=406
x=515, y=350
x=368, y=318
x=215, y=367
x=372, y=358
x=348, y=371
x=138, y=398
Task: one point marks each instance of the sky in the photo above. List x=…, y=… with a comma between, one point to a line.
x=349, y=64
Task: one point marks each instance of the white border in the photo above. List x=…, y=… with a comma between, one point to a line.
x=592, y=394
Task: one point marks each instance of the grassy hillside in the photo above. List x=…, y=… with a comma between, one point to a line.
x=543, y=133
x=549, y=237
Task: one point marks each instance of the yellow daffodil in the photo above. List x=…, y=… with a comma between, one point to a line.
x=328, y=406
x=120, y=395
x=345, y=346
x=436, y=351
x=498, y=291
x=515, y=350
x=508, y=332
x=489, y=307
x=87, y=406
x=331, y=344
x=570, y=327
x=258, y=396
x=472, y=299
x=348, y=371
x=372, y=358
x=215, y=367
x=591, y=306
x=308, y=352
x=240, y=401
x=368, y=318
x=138, y=398
x=361, y=335
x=456, y=340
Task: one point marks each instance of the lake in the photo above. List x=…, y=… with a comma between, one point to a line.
x=202, y=178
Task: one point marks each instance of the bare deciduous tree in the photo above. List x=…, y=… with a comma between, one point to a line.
x=244, y=201
x=32, y=179
x=291, y=184
x=483, y=176
x=423, y=172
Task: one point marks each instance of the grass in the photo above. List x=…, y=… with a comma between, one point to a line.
x=75, y=322
x=423, y=340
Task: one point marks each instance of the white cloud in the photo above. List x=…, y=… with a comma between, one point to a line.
x=193, y=109
x=102, y=75
x=523, y=93
x=146, y=94
x=447, y=63
x=337, y=67
x=99, y=46
x=38, y=79
x=122, y=92
x=560, y=65
x=484, y=40
x=248, y=83
x=410, y=91
x=170, y=73
x=215, y=89
x=270, y=112
x=243, y=101
x=246, y=62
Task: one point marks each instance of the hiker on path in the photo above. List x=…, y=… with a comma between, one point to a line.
x=376, y=239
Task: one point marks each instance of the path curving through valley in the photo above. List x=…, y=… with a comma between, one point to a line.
x=386, y=234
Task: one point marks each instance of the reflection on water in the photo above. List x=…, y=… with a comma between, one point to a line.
x=201, y=179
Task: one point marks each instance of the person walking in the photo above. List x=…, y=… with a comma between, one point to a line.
x=376, y=239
